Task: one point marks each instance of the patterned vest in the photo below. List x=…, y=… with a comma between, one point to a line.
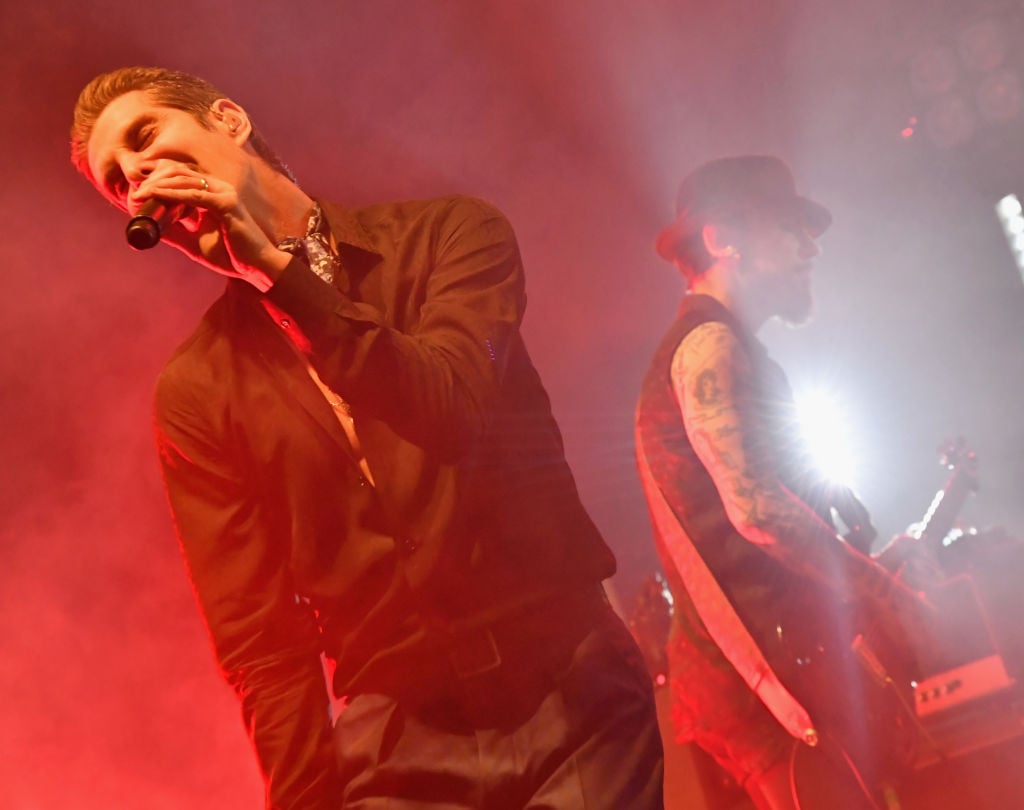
x=758, y=586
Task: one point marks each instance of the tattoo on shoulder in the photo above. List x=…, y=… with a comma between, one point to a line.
x=706, y=390
x=725, y=431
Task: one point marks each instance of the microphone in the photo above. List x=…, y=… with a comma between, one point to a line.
x=144, y=229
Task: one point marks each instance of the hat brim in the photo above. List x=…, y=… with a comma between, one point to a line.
x=815, y=215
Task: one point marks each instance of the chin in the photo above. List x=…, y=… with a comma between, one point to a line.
x=798, y=314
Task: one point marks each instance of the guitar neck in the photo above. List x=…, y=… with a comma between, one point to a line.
x=943, y=511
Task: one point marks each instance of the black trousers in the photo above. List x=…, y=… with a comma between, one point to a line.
x=568, y=725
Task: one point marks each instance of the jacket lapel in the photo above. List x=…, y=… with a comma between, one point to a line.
x=287, y=370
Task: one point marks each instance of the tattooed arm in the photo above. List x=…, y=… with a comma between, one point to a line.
x=713, y=375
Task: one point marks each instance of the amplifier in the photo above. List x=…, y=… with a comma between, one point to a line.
x=968, y=708
x=960, y=685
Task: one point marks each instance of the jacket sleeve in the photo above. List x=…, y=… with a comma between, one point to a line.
x=436, y=382
x=265, y=639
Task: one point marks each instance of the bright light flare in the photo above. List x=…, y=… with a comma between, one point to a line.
x=1011, y=217
x=825, y=425
x=1009, y=207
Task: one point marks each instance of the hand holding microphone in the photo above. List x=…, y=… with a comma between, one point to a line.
x=224, y=236
x=146, y=227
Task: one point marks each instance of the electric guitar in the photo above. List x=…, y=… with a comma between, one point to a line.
x=853, y=668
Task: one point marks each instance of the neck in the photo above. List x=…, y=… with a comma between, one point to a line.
x=280, y=207
x=721, y=282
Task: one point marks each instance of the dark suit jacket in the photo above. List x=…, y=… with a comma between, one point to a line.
x=291, y=552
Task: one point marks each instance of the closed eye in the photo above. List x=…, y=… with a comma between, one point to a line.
x=143, y=137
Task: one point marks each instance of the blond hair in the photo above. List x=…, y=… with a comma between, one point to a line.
x=169, y=88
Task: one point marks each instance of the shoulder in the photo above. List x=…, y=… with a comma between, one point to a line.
x=711, y=368
x=712, y=343
x=459, y=230
x=416, y=236
x=189, y=377
x=182, y=386
x=436, y=209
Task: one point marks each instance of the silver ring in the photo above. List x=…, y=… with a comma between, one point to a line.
x=206, y=186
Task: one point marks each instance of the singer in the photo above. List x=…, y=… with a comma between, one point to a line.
x=362, y=464
x=730, y=484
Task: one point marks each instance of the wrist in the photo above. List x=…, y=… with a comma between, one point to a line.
x=266, y=273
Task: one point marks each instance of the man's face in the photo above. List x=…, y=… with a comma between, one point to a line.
x=135, y=136
x=777, y=255
x=135, y=133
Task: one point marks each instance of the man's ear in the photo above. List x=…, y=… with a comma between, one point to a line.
x=233, y=118
x=718, y=241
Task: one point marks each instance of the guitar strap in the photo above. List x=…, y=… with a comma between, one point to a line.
x=719, y=617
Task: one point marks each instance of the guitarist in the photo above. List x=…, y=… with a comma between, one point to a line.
x=744, y=523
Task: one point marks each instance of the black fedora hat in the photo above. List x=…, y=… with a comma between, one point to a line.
x=721, y=185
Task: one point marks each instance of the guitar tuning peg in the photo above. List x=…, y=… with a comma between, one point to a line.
x=954, y=451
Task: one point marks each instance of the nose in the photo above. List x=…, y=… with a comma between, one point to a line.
x=136, y=169
x=809, y=247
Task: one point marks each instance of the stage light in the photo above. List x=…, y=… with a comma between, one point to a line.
x=1011, y=217
x=1000, y=96
x=934, y=71
x=969, y=82
x=825, y=425
x=983, y=45
x=951, y=121
x=1009, y=206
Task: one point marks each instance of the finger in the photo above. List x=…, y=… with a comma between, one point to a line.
x=155, y=184
x=193, y=190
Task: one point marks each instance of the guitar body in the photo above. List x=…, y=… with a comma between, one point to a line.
x=854, y=672
x=854, y=668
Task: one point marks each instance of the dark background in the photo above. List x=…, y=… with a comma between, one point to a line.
x=578, y=118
